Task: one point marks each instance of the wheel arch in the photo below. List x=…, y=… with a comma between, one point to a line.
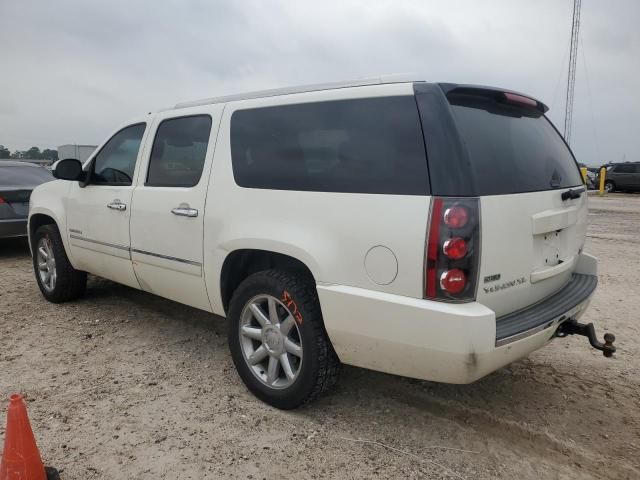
x=241, y=263
x=39, y=218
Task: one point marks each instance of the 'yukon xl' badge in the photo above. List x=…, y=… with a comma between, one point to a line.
x=505, y=285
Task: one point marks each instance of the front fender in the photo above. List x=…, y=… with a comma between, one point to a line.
x=50, y=199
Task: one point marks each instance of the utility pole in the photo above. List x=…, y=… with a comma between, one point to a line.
x=571, y=77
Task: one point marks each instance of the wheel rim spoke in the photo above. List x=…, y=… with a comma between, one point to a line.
x=251, y=332
x=286, y=325
x=286, y=367
x=257, y=356
x=42, y=251
x=272, y=370
x=259, y=315
x=292, y=347
x=273, y=311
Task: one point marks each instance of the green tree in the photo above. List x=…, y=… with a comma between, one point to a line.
x=49, y=154
x=18, y=154
x=33, y=154
x=4, y=152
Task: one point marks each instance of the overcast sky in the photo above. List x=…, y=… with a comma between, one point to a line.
x=71, y=71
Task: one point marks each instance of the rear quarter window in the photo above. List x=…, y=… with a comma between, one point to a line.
x=372, y=145
x=511, y=149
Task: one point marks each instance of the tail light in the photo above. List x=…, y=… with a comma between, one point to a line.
x=453, y=249
x=2, y=200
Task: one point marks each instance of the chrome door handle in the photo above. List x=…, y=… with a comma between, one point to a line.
x=185, y=212
x=117, y=205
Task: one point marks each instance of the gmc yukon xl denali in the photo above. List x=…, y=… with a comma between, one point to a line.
x=434, y=231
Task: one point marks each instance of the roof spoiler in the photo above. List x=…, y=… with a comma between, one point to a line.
x=508, y=95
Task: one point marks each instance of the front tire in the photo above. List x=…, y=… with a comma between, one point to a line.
x=278, y=341
x=58, y=280
x=609, y=186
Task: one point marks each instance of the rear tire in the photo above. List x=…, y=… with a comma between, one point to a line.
x=609, y=186
x=58, y=280
x=278, y=341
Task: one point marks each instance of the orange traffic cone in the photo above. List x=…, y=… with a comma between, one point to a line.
x=20, y=457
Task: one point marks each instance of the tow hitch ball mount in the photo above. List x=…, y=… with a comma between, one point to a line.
x=573, y=327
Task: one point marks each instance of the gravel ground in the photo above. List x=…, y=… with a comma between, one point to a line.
x=123, y=384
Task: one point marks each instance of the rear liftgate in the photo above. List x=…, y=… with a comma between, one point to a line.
x=452, y=258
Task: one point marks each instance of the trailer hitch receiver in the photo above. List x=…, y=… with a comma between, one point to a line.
x=573, y=327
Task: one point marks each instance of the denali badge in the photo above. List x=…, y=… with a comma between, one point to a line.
x=505, y=285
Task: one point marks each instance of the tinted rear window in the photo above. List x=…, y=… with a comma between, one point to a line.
x=625, y=169
x=372, y=145
x=23, y=176
x=511, y=149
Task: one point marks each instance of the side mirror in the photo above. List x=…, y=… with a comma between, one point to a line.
x=68, y=169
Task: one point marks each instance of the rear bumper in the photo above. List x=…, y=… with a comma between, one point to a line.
x=451, y=343
x=555, y=309
x=13, y=227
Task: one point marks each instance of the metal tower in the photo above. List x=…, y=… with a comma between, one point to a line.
x=571, y=78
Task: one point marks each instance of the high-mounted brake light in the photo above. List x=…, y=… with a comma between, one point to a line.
x=453, y=249
x=515, y=98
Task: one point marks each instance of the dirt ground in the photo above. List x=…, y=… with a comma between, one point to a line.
x=123, y=384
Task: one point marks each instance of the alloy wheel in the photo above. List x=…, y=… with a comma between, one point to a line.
x=46, y=264
x=270, y=341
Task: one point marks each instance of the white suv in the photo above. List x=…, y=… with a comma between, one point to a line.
x=429, y=230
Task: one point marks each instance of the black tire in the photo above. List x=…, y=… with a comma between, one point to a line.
x=609, y=186
x=70, y=283
x=319, y=368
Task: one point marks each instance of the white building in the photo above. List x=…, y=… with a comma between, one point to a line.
x=80, y=152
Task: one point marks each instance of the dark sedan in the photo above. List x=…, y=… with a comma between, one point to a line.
x=17, y=181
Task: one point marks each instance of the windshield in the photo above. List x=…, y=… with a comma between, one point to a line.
x=511, y=149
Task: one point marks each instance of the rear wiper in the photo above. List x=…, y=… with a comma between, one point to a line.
x=572, y=193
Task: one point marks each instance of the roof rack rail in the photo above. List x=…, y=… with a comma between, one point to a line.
x=385, y=79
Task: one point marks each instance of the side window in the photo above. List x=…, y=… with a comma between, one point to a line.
x=371, y=145
x=625, y=169
x=115, y=162
x=178, y=153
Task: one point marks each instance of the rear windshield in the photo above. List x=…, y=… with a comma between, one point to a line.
x=371, y=145
x=511, y=149
x=27, y=176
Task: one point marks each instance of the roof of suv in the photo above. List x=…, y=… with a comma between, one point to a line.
x=382, y=80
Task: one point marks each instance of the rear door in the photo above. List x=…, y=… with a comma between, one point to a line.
x=168, y=205
x=635, y=183
x=624, y=175
x=507, y=153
